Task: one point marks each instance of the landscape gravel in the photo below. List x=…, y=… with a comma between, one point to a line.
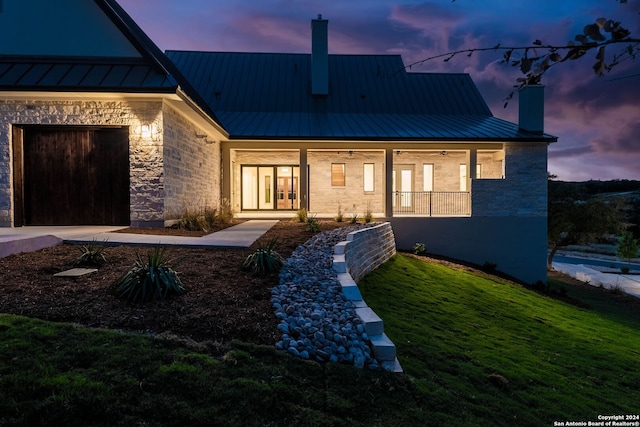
x=316, y=321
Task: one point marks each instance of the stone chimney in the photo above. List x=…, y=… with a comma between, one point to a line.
x=319, y=57
x=531, y=109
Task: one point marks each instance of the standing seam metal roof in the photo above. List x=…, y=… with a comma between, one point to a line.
x=268, y=96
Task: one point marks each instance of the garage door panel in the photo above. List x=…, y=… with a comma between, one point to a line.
x=76, y=176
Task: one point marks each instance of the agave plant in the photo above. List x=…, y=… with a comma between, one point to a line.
x=92, y=254
x=264, y=260
x=149, y=279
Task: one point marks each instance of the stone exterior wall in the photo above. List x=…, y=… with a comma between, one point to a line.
x=367, y=249
x=191, y=166
x=523, y=192
x=146, y=173
x=351, y=198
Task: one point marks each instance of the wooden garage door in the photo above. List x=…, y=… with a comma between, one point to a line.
x=75, y=176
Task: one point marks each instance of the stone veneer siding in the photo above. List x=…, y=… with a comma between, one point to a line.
x=367, y=249
x=523, y=192
x=169, y=171
x=191, y=167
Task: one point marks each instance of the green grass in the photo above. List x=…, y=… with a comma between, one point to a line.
x=456, y=330
x=459, y=335
x=58, y=374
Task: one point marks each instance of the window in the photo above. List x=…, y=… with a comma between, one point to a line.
x=337, y=174
x=479, y=170
x=463, y=177
x=369, y=177
x=428, y=177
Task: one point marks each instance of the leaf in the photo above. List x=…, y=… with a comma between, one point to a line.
x=537, y=42
x=581, y=38
x=601, y=22
x=555, y=57
x=525, y=65
x=600, y=54
x=507, y=55
x=593, y=32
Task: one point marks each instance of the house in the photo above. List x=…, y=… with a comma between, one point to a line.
x=269, y=133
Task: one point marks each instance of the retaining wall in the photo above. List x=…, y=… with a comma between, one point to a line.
x=362, y=252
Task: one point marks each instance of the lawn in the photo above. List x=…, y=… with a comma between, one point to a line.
x=495, y=353
x=477, y=350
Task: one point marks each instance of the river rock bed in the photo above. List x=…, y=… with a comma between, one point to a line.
x=316, y=321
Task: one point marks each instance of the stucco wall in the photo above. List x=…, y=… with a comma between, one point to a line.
x=191, y=166
x=518, y=245
x=145, y=153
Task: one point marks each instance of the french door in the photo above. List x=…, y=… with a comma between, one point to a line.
x=270, y=187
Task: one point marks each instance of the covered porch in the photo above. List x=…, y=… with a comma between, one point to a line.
x=421, y=180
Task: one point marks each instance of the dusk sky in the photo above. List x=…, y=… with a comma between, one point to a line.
x=596, y=119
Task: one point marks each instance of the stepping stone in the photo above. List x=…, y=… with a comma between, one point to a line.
x=76, y=272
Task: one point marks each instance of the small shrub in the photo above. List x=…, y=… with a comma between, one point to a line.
x=225, y=212
x=192, y=220
x=354, y=219
x=264, y=260
x=210, y=217
x=419, y=248
x=624, y=269
x=368, y=215
x=489, y=267
x=616, y=289
x=312, y=224
x=301, y=215
x=150, y=279
x=340, y=216
x=92, y=254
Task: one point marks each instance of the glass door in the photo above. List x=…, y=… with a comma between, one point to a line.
x=259, y=183
x=287, y=187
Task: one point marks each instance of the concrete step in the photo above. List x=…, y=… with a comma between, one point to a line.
x=372, y=322
x=383, y=349
x=392, y=366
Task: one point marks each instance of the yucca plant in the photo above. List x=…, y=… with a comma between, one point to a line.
x=264, y=260
x=92, y=254
x=301, y=215
x=149, y=279
x=312, y=224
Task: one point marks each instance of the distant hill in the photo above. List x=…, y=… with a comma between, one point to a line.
x=622, y=194
x=559, y=190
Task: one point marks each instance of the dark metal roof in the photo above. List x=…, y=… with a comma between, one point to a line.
x=82, y=75
x=262, y=95
x=152, y=73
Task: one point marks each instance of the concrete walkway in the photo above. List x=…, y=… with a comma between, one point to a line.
x=629, y=283
x=27, y=239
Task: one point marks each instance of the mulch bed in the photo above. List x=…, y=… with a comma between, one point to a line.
x=222, y=302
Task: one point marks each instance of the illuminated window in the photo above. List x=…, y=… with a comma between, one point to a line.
x=479, y=170
x=368, y=177
x=337, y=174
x=428, y=177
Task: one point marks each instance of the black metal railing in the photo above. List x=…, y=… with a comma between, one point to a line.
x=432, y=203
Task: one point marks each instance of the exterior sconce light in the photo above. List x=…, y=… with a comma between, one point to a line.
x=443, y=153
x=398, y=152
x=145, y=131
x=350, y=152
x=149, y=131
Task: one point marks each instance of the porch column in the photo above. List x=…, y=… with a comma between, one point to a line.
x=388, y=183
x=304, y=180
x=226, y=173
x=473, y=162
